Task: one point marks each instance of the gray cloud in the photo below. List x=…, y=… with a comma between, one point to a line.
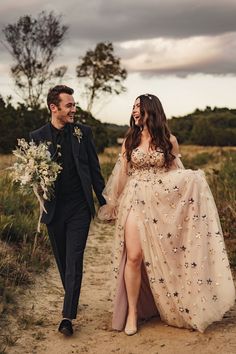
x=123, y=20
x=129, y=20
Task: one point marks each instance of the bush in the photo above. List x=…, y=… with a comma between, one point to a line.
x=211, y=127
x=223, y=186
x=19, y=212
x=198, y=160
x=22, y=250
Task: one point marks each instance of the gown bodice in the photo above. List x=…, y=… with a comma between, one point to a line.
x=146, y=164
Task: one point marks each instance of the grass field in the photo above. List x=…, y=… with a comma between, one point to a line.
x=23, y=252
x=206, y=157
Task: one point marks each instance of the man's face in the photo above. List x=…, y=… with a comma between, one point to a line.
x=65, y=113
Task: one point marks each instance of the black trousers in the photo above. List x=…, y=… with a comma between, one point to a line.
x=68, y=234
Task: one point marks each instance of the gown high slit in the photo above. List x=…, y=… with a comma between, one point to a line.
x=186, y=276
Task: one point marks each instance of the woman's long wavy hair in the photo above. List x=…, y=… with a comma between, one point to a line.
x=157, y=126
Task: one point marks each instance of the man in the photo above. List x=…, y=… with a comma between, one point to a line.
x=69, y=211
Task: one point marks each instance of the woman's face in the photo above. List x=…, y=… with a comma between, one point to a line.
x=137, y=114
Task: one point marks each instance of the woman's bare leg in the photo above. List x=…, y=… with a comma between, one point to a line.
x=132, y=269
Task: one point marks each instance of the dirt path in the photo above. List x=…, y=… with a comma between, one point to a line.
x=36, y=324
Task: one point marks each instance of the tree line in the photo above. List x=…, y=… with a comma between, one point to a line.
x=17, y=122
x=209, y=127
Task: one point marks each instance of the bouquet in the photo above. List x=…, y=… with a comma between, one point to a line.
x=34, y=170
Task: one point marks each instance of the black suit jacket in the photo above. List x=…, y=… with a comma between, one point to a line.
x=86, y=162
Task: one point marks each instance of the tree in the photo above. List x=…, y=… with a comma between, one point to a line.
x=203, y=132
x=32, y=42
x=17, y=122
x=102, y=71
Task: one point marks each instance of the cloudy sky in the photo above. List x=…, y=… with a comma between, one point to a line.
x=183, y=51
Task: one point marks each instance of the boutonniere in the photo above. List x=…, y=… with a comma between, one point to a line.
x=78, y=133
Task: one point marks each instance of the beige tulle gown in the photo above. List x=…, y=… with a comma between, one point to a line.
x=186, y=276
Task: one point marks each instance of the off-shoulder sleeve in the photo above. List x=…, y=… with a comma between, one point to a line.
x=113, y=189
x=177, y=162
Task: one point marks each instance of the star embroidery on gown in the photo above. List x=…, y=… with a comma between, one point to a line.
x=193, y=265
x=154, y=221
x=209, y=281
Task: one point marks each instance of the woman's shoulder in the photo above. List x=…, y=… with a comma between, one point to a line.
x=123, y=148
x=175, y=145
x=173, y=139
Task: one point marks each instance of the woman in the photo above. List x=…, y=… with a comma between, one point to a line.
x=169, y=252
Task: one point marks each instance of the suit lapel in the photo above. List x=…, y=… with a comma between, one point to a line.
x=47, y=135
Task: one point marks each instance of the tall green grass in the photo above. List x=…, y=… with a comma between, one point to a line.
x=23, y=251
x=221, y=175
x=223, y=185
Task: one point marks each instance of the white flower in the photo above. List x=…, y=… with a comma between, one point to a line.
x=78, y=133
x=34, y=169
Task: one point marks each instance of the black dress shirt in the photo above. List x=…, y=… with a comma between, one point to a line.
x=69, y=184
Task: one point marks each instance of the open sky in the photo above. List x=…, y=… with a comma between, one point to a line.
x=183, y=51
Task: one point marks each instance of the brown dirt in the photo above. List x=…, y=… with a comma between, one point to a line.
x=36, y=324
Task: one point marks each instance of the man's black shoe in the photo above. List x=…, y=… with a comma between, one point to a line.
x=66, y=328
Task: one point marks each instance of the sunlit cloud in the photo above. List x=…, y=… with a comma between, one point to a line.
x=209, y=55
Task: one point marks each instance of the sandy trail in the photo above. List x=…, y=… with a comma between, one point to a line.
x=36, y=324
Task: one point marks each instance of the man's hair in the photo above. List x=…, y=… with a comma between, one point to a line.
x=53, y=94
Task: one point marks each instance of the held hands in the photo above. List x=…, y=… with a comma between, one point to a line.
x=107, y=214
x=108, y=222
